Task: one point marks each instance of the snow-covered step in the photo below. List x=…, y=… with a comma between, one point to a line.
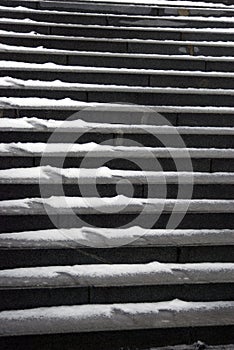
x=134, y=236
x=88, y=318
x=93, y=149
x=32, y=213
x=104, y=175
x=80, y=130
x=122, y=282
x=120, y=76
x=114, y=19
x=61, y=109
x=10, y=87
x=105, y=275
x=170, y=47
x=25, y=182
x=182, y=47
x=136, y=7
x=117, y=60
x=58, y=205
x=112, y=31
x=93, y=245
x=68, y=13
x=81, y=126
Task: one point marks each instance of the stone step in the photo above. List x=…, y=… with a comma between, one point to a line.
x=68, y=11
x=28, y=182
x=166, y=47
x=11, y=87
x=124, y=114
x=117, y=60
x=203, y=8
x=120, y=76
x=67, y=212
x=116, y=20
x=122, y=283
x=73, y=319
x=166, y=32
x=82, y=131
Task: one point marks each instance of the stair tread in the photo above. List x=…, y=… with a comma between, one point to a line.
x=80, y=125
x=69, y=104
x=29, y=149
x=107, y=238
x=119, y=204
x=87, y=318
x=105, y=175
x=105, y=275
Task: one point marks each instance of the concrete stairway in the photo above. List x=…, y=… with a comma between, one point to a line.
x=116, y=174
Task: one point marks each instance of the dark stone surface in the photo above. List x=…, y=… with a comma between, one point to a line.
x=205, y=191
x=72, y=255
x=121, y=340
x=81, y=77
x=17, y=223
x=26, y=298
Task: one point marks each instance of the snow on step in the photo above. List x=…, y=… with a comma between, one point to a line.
x=88, y=318
x=81, y=126
x=36, y=35
x=172, y=24
x=42, y=50
x=151, y=3
x=119, y=204
x=72, y=105
x=93, y=149
x=108, y=237
x=105, y=175
x=26, y=10
x=53, y=67
x=14, y=83
x=105, y=275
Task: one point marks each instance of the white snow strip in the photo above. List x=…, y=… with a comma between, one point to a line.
x=69, y=104
x=119, y=204
x=52, y=67
x=105, y=275
x=93, y=149
x=88, y=318
x=81, y=126
x=107, y=237
x=14, y=83
x=42, y=50
x=104, y=175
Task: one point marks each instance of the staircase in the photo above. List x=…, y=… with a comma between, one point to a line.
x=116, y=174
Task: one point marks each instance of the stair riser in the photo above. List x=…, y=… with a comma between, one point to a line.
x=127, y=47
x=149, y=140
x=11, y=299
x=179, y=119
x=205, y=191
x=14, y=258
x=158, y=99
x=18, y=223
x=116, y=62
x=128, y=163
x=135, y=339
x=123, y=79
